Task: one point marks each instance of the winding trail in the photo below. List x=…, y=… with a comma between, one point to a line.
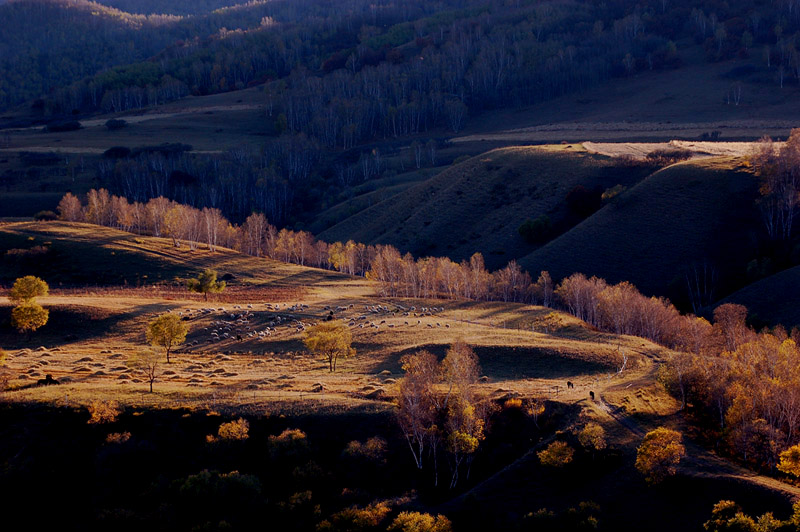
x=699, y=462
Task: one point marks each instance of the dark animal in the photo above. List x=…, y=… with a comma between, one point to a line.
x=570, y=385
x=591, y=394
x=47, y=381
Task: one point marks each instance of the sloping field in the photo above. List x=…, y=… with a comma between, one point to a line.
x=683, y=215
x=89, y=254
x=478, y=205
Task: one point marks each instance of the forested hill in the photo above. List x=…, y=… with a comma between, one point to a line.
x=170, y=7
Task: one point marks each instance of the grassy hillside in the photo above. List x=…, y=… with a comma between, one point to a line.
x=75, y=254
x=772, y=300
x=693, y=212
x=478, y=205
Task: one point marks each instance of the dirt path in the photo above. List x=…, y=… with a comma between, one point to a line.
x=699, y=462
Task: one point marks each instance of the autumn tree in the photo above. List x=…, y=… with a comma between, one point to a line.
x=659, y=454
x=593, y=437
x=167, y=331
x=29, y=317
x=416, y=412
x=557, y=454
x=238, y=430
x=420, y=522
x=27, y=289
x=69, y=208
x=466, y=412
x=790, y=461
x=330, y=339
x=147, y=362
x=206, y=283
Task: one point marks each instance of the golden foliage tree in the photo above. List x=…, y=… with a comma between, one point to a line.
x=454, y=419
x=416, y=403
x=593, y=437
x=420, y=522
x=27, y=289
x=29, y=317
x=206, y=283
x=790, y=461
x=238, y=430
x=659, y=454
x=167, y=331
x=69, y=208
x=557, y=454
x=330, y=339
x=103, y=412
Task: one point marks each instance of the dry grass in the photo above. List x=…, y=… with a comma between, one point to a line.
x=478, y=205
x=689, y=213
x=248, y=350
x=772, y=300
x=260, y=372
x=698, y=149
x=86, y=254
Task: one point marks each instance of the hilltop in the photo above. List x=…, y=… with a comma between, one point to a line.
x=684, y=216
x=478, y=205
x=77, y=254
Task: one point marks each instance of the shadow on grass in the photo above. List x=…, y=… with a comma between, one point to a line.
x=502, y=363
x=69, y=324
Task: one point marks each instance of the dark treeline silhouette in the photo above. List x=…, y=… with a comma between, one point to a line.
x=347, y=72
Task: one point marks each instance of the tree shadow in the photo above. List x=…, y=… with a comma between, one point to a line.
x=506, y=363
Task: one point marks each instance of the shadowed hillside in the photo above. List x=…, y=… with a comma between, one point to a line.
x=772, y=300
x=479, y=205
x=69, y=254
x=685, y=215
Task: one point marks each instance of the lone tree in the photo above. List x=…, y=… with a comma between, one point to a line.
x=206, y=283
x=331, y=339
x=557, y=454
x=659, y=455
x=593, y=437
x=167, y=331
x=27, y=289
x=146, y=361
x=29, y=317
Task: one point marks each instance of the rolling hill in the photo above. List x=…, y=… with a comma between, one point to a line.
x=73, y=254
x=479, y=205
x=684, y=215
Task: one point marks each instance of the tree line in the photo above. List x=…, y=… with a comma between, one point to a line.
x=741, y=386
x=618, y=308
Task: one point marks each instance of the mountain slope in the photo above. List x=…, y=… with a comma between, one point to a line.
x=478, y=205
x=688, y=214
x=772, y=300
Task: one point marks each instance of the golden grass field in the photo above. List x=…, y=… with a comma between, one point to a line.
x=523, y=349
